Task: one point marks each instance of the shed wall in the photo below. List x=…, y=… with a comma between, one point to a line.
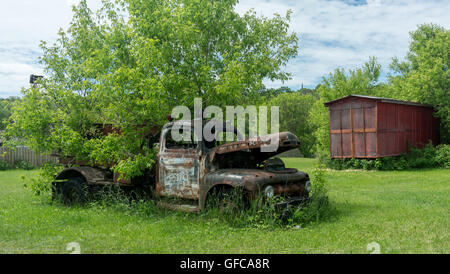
x=353, y=128
x=368, y=128
x=403, y=126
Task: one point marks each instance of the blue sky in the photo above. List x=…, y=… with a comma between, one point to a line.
x=333, y=34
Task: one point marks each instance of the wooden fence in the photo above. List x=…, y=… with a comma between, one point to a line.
x=23, y=153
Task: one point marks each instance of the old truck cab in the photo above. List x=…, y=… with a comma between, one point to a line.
x=193, y=169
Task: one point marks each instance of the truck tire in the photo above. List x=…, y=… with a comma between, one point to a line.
x=56, y=191
x=74, y=192
x=227, y=200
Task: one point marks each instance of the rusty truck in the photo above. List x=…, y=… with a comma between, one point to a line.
x=191, y=171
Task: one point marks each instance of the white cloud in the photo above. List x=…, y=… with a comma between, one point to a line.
x=332, y=33
x=335, y=34
x=23, y=24
x=14, y=72
x=73, y=2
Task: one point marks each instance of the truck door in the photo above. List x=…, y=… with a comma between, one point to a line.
x=178, y=167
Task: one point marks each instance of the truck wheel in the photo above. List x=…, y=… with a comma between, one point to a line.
x=229, y=200
x=56, y=191
x=285, y=215
x=74, y=192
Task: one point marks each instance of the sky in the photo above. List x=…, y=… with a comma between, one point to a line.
x=332, y=34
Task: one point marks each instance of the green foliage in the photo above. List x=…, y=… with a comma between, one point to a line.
x=25, y=165
x=427, y=157
x=4, y=165
x=42, y=183
x=19, y=164
x=239, y=212
x=442, y=156
x=340, y=164
x=319, y=207
x=5, y=110
x=136, y=164
x=267, y=94
x=130, y=63
x=294, y=117
x=425, y=76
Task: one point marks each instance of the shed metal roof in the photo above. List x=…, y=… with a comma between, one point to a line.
x=381, y=99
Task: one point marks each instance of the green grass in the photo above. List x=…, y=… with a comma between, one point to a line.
x=403, y=211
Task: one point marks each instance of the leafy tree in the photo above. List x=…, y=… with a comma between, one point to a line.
x=129, y=64
x=363, y=81
x=265, y=94
x=294, y=117
x=425, y=76
x=308, y=91
x=5, y=110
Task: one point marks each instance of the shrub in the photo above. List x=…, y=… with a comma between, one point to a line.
x=4, y=165
x=319, y=207
x=426, y=157
x=325, y=159
x=442, y=156
x=20, y=164
x=42, y=184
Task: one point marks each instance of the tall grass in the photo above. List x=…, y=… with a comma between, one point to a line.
x=228, y=206
x=263, y=212
x=403, y=211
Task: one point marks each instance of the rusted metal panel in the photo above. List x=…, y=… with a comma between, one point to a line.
x=192, y=172
x=179, y=170
x=179, y=176
x=352, y=128
x=404, y=126
x=287, y=182
x=371, y=127
x=285, y=139
x=92, y=176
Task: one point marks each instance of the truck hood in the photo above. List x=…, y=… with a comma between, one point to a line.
x=254, y=150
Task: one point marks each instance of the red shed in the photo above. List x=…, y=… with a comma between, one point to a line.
x=373, y=127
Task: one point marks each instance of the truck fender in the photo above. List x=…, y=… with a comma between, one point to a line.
x=89, y=174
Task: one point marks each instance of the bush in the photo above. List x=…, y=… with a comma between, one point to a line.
x=5, y=165
x=20, y=164
x=442, y=156
x=427, y=157
x=319, y=207
x=42, y=184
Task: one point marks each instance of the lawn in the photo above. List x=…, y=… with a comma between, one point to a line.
x=402, y=211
